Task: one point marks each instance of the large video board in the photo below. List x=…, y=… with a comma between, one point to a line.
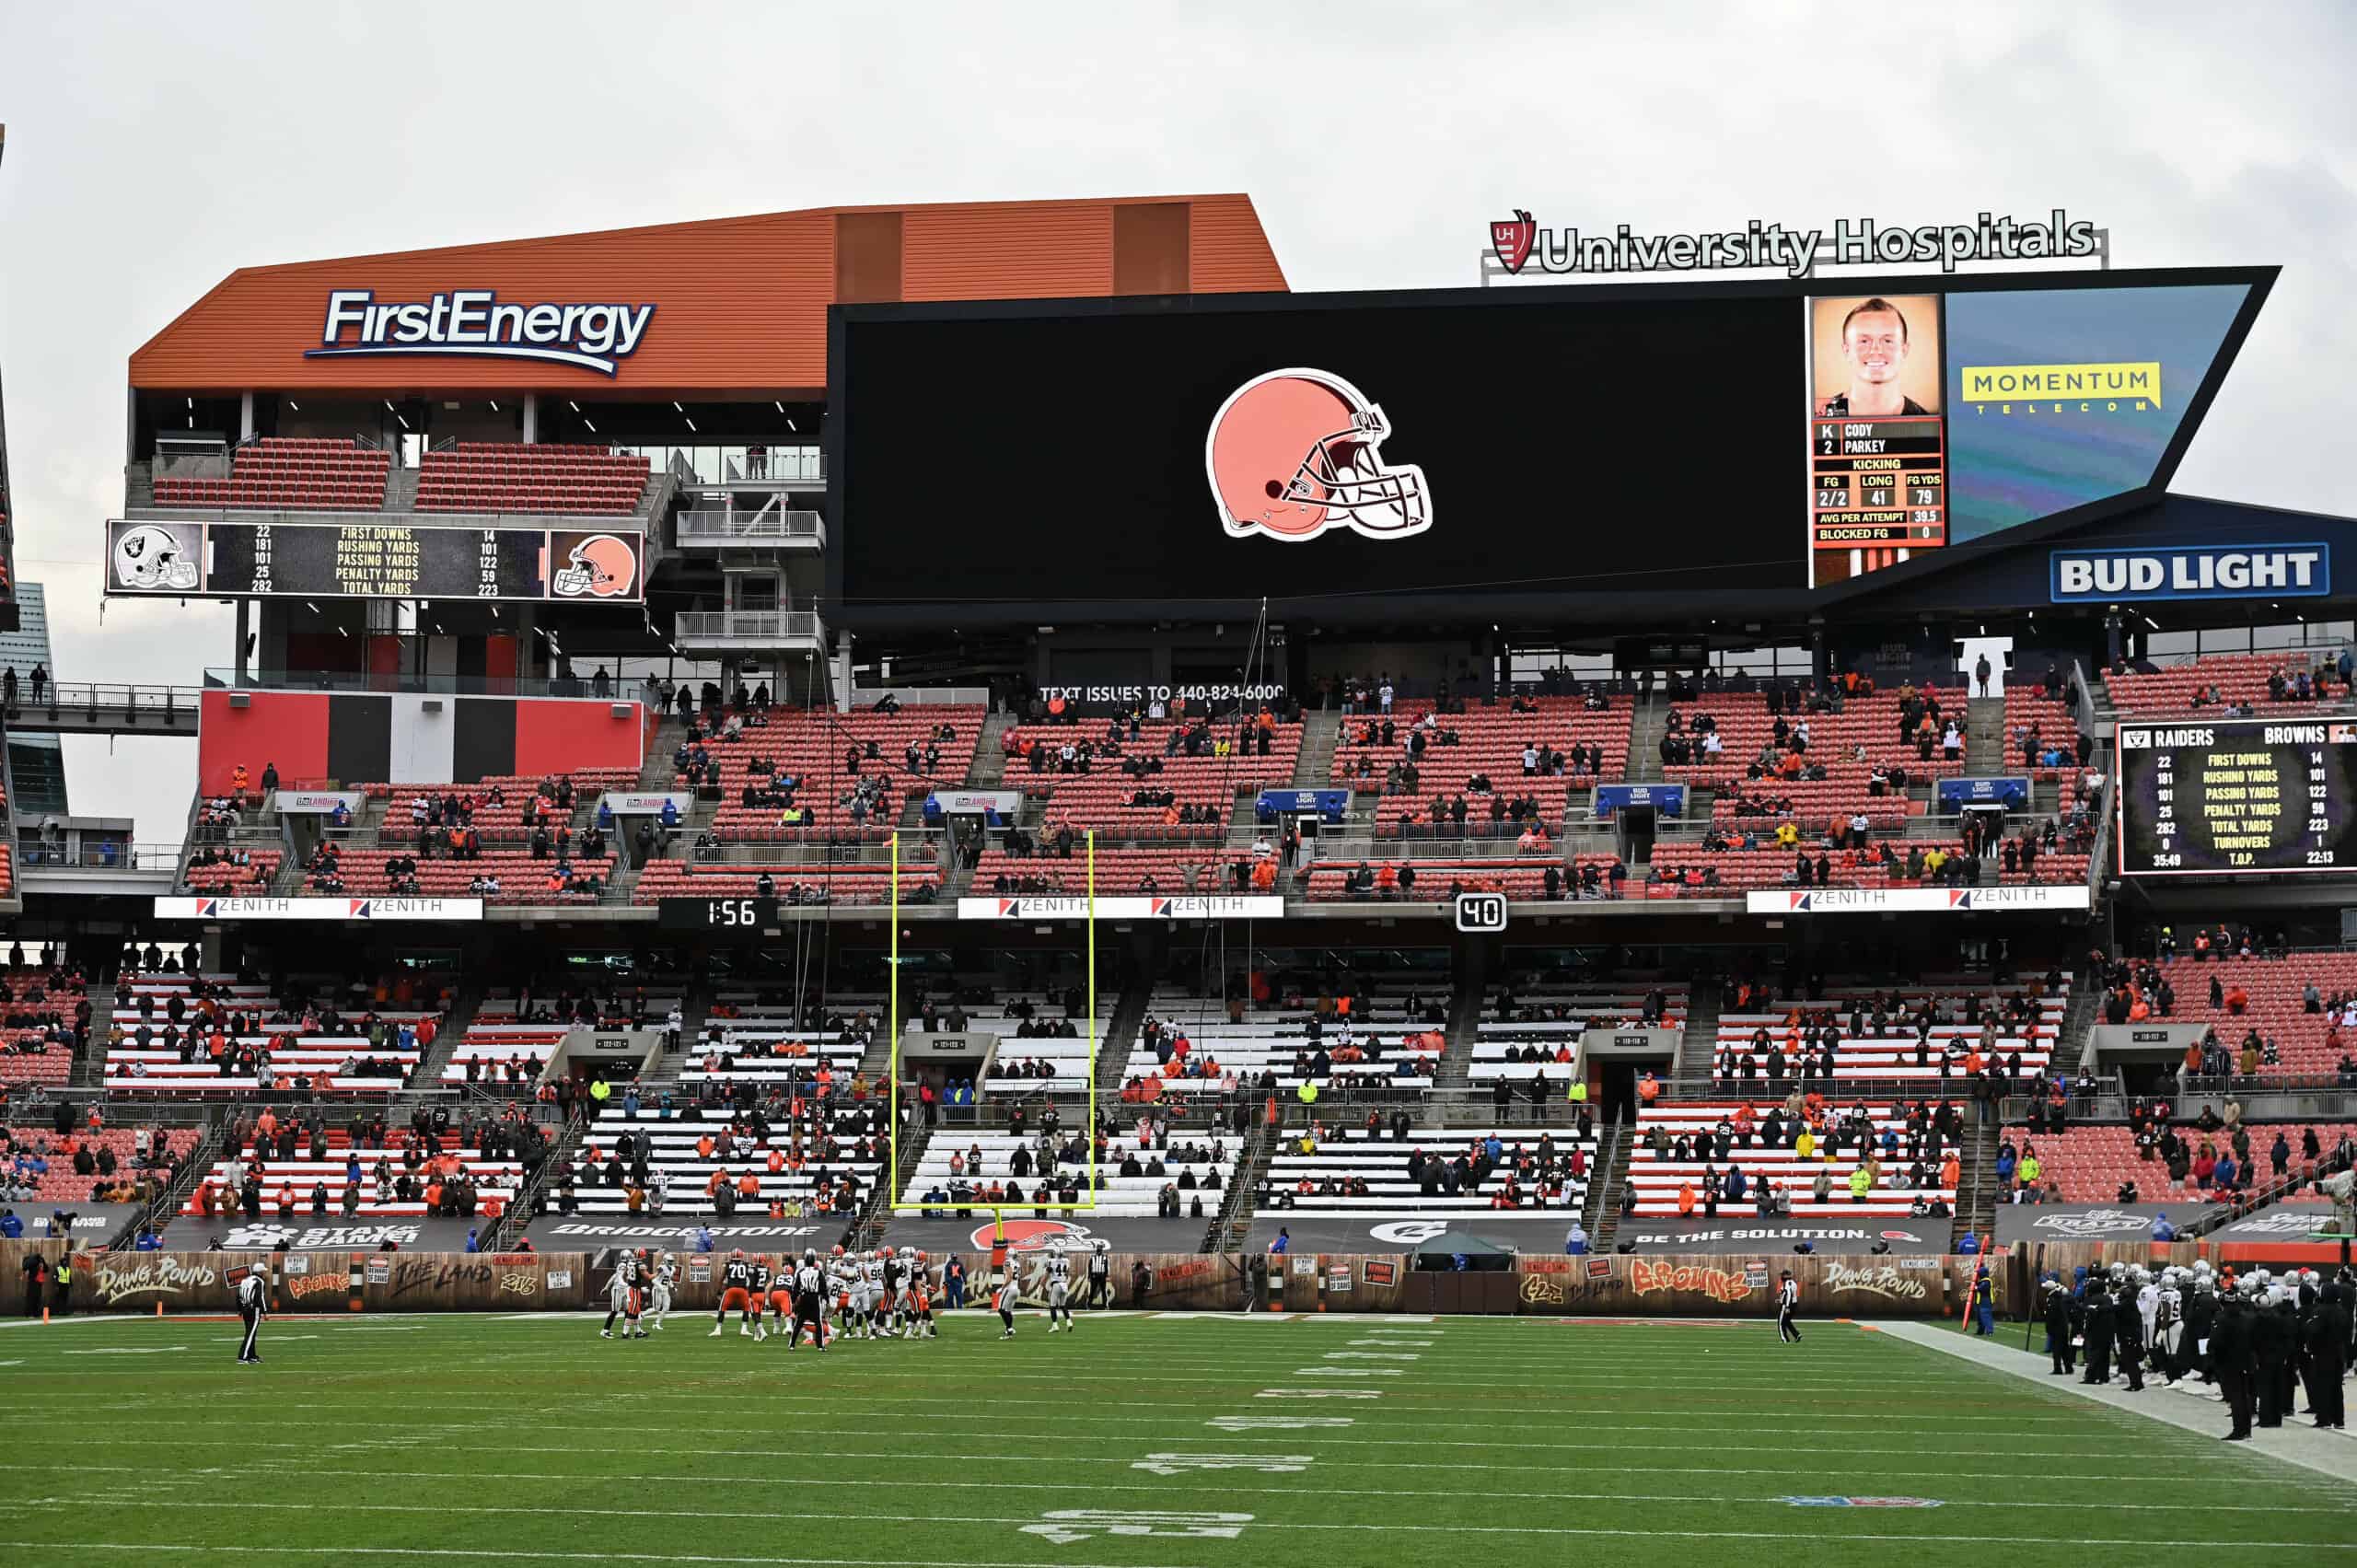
x=1682, y=441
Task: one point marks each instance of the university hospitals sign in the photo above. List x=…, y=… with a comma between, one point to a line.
x=1521, y=241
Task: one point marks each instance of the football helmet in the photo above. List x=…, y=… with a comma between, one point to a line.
x=736, y=1254
x=600, y=566
x=151, y=559
x=1293, y=453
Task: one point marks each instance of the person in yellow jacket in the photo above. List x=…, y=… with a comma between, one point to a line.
x=1805, y=1144
x=1861, y=1183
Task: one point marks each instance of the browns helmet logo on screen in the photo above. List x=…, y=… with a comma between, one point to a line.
x=599, y=566
x=1293, y=453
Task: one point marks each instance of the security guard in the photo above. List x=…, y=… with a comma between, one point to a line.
x=254, y=1305
x=2098, y=1330
x=2128, y=1337
x=2329, y=1356
x=2232, y=1360
x=2271, y=1337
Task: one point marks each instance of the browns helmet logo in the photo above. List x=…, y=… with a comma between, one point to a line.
x=600, y=566
x=1029, y=1236
x=1294, y=452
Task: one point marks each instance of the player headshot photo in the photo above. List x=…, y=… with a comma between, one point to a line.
x=1875, y=356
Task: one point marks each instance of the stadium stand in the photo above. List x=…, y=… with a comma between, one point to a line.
x=1431, y=879
x=1534, y=746
x=2266, y=998
x=813, y=1154
x=785, y=773
x=790, y=882
x=41, y=1166
x=44, y=1021
x=1543, y=1034
x=1121, y=870
x=234, y=870
x=1687, y=867
x=290, y=473
x=1815, y=1160
x=2167, y=1163
x=1148, y=780
x=1143, y=1175
x=489, y=476
x=506, y=809
x=1938, y=1030
x=173, y=1034
x=1198, y=1044
x=2217, y=679
x=503, y=876
x=1409, y=1172
x=285, y=1167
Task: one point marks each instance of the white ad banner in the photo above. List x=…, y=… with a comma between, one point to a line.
x=1913, y=900
x=377, y=909
x=315, y=802
x=1022, y=906
x=644, y=803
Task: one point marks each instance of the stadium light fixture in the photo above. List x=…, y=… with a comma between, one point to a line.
x=676, y=408
x=691, y=426
x=593, y=429
x=494, y=405
x=296, y=406
x=777, y=404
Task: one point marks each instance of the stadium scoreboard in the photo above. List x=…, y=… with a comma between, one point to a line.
x=2237, y=795
x=375, y=558
x=1877, y=483
x=376, y=561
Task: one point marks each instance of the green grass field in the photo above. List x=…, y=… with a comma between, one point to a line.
x=1174, y=1441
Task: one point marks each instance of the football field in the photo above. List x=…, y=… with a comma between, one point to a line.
x=1175, y=1440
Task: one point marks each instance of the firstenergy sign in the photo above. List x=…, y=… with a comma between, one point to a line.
x=474, y=322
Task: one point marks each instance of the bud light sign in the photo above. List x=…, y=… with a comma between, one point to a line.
x=2259, y=571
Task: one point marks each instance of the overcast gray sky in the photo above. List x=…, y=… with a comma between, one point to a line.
x=152, y=148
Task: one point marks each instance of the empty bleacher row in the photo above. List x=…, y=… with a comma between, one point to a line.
x=290, y=473
x=1759, y=1045
x=1505, y=747
x=2092, y=1164
x=490, y=476
x=959, y=1169
x=505, y=876
x=1365, y=1171
x=1175, y=869
x=1852, y=746
x=173, y=1034
x=240, y=869
x=1667, y=1179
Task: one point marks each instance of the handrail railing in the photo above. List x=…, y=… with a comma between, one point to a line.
x=744, y=623
x=752, y=527
x=617, y=689
x=95, y=698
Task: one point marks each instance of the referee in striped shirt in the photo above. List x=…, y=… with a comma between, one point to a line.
x=254, y=1305
x=1788, y=1300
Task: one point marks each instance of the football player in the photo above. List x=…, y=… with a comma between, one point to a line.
x=764, y=1275
x=1059, y=1287
x=666, y=1275
x=624, y=1296
x=1006, y=1302
x=781, y=1294
x=735, y=1290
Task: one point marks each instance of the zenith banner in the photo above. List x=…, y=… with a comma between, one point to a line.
x=1065, y=907
x=1911, y=900
x=378, y=908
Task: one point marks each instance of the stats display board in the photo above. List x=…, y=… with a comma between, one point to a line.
x=1720, y=447
x=373, y=560
x=2237, y=795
